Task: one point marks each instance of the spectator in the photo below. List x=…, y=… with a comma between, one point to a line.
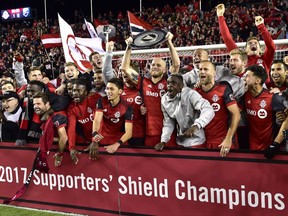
x=12, y=115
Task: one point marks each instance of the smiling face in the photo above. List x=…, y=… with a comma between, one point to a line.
x=39, y=107
x=278, y=74
x=113, y=92
x=158, y=67
x=71, y=72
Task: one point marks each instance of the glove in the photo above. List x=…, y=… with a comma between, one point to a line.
x=41, y=164
x=272, y=150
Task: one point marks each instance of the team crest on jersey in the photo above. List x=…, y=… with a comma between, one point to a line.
x=117, y=114
x=215, y=98
x=89, y=110
x=216, y=107
x=262, y=113
x=161, y=86
x=263, y=104
x=56, y=124
x=231, y=96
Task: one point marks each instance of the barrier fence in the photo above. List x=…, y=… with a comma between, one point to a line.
x=145, y=182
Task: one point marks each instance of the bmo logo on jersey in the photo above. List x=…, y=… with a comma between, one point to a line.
x=262, y=113
x=137, y=100
x=85, y=120
x=155, y=94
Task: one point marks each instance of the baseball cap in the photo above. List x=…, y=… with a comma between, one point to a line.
x=9, y=94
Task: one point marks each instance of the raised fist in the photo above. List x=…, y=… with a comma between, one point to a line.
x=220, y=9
x=258, y=20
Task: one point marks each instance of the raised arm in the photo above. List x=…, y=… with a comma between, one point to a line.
x=107, y=70
x=125, y=66
x=174, y=68
x=270, y=48
x=224, y=30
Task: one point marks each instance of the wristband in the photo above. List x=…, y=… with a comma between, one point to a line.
x=120, y=142
x=94, y=133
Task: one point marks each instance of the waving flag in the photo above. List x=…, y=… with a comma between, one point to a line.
x=51, y=40
x=137, y=25
x=77, y=49
x=91, y=29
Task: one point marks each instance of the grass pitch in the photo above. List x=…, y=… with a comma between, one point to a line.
x=6, y=210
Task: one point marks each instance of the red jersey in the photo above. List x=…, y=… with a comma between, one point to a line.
x=261, y=118
x=133, y=97
x=152, y=94
x=114, y=119
x=220, y=97
x=83, y=113
x=264, y=60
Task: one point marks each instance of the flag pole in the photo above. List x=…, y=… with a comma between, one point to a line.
x=91, y=8
x=140, y=8
x=45, y=11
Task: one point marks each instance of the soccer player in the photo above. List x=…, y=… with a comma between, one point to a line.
x=54, y=123
x=81, y=110
x=152, y=90
x=252, y=48
x=278, y=75
x=189, y=110
x=221, y=130
x=113, y=122
x=261, y=107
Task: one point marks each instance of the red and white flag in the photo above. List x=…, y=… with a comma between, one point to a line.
x=91, y=29
x=77, y=49
x=137, y=25
x=51, y=40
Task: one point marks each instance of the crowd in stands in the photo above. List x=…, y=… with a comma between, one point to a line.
x=187, y=22
x=93, y=104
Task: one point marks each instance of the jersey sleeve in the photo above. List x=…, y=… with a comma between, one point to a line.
x=129, y=114
x=226, y=35
x=228, y=96
x=59, y=121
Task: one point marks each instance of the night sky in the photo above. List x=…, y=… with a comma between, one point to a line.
x=66, y=8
